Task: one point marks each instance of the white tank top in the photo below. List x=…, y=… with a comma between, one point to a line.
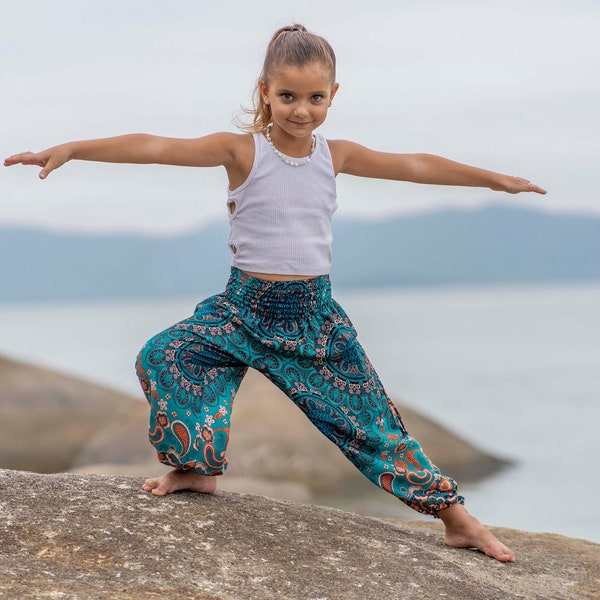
x=280, y=217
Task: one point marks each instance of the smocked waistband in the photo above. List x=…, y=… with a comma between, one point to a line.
x=279, y=299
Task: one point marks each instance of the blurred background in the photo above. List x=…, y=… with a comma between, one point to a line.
x=479, y=310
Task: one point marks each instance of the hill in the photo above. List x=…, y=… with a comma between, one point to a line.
x=488, y=245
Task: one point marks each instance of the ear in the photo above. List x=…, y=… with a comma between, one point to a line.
x=334, y=89
x=264, y=91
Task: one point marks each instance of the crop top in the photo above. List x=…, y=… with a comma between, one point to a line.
x=280, y=217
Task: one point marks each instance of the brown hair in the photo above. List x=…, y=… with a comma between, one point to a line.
x=290, y=46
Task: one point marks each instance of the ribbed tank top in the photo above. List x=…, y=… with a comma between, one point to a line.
x=280, y=217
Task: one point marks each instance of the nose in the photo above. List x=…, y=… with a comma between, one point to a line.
x=301, y=109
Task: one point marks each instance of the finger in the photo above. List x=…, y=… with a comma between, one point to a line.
x=528, y=186
x=14, y=159
x=536, y=188
x=48, y=168
x=531, y=187
x=24, y=158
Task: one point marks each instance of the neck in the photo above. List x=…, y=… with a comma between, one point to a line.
x=290, y=145
x=290, y=159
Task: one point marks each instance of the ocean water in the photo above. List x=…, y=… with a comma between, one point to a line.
x=515, y=370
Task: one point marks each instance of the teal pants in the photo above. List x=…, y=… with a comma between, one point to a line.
x=301, y=339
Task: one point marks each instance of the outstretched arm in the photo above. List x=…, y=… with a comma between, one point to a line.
x=355, y=159
x=209, y=151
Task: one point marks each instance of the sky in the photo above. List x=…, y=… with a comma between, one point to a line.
x=508, y=85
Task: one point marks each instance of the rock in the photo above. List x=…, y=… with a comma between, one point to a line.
x=93, y=537
x=48, y=417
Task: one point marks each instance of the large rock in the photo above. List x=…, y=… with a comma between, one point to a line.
x=48, y=417
x=93, y=537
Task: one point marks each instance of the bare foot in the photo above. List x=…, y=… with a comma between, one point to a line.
x=463, y=530
x=176, y=480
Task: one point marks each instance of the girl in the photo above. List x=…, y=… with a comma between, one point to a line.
x=276, y=313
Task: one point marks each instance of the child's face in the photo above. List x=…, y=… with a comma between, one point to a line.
x=299, y=98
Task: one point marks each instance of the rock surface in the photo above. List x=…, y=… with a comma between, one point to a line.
x=48, y=417
x=91, y=537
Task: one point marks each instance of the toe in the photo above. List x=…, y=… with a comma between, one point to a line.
x=501, y=553
x=150, y=484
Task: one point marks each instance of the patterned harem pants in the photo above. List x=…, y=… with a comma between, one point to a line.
x=302, y=340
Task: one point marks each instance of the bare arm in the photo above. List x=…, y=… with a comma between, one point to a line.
x=208, y=151
x=355, y=159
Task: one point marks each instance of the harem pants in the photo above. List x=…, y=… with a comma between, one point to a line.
x=301, y=339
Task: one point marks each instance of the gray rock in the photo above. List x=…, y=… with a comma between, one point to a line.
x=92, y=537
x=48, y=417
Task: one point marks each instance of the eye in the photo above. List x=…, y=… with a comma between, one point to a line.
x=316, y=98
x=286, y=97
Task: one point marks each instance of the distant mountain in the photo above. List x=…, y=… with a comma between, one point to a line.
x=494, y=244
x=45, y=265
x=488, y=245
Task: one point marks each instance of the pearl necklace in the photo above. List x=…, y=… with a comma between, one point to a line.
x=286, y=159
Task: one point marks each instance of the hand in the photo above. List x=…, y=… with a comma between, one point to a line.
x=48, y=159
x=515, y=185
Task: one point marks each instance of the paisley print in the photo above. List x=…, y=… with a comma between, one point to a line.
x=345, y=354
x=303, y=341
x=331, y=423
x=182, y=434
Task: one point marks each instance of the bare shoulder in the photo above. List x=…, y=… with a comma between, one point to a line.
x=240, y=142
x=241, y=152
x=343, y=153
x=232, y=142
x=355, y=159
x=221, y=148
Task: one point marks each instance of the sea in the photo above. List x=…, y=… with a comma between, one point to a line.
x=513, y=369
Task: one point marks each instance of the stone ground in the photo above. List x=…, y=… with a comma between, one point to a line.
x=87, y=537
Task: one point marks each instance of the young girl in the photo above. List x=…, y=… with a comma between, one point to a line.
x=276, y=313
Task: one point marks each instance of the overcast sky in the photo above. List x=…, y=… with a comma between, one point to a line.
x=509, y=85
